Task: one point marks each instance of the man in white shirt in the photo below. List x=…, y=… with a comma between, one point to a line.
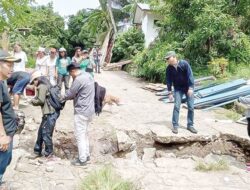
x=19, y=54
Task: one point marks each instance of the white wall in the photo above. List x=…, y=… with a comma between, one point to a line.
x=149, y=29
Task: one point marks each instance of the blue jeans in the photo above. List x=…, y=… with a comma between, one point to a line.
x=5, y=159
x=20, y=85
x=177, y=104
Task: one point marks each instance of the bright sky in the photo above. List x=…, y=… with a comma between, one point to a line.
x=70, y=7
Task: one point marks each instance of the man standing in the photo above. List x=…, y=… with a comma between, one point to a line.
x=19, y=54
x=82, y=91
x=96, y=56
x=17, y=82
x=180, y=75
x=8, y=124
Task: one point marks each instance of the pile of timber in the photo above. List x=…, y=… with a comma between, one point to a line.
x=116, y=66
x=161, y=89
x=158, y=87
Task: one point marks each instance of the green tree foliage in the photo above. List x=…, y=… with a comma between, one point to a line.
x=45, y=28
x=128, y=44
x=199, y=31
x=44, y=21
x=78, y=35
x=98, y=22
x=13, y=13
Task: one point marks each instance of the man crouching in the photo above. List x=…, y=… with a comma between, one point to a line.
x=82, y=91
x=50, y=115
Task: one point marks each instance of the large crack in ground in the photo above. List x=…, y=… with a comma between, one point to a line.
x=224, y=144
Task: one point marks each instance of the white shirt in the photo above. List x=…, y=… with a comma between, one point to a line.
x=51, y=65
x=21, y=65
x=41, y=65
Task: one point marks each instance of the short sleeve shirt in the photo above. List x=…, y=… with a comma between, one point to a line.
x=21, y=65
x=41, y=65
x=8, y=114
x=62, y=64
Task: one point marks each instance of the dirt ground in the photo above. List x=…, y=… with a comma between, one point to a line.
x=145, y=121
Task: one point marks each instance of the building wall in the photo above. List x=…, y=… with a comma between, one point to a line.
x=149, y=29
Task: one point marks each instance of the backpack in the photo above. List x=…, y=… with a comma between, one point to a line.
x=54, y=98
x=99, y=97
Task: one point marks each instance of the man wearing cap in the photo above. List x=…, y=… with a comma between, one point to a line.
x=49, y=115
x=82, y=91
x=180, y=75
x=8, y=123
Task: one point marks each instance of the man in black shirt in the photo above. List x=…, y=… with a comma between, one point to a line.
x=179, y=74
x=8, y=123
x=17, y=82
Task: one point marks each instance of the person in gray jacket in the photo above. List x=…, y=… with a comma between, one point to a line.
x=82, y=91
x=246, y=100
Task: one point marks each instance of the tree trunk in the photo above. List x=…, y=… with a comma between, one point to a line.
x=110, y=47
x=209, y=44
x=111, y=16
x=4, y=43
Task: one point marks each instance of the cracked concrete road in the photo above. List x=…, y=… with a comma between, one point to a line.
x=140, y=112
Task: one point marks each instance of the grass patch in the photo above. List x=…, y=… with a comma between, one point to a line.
x=240, y=71
x=220, y=165
x=105, y=179
x=227, y=113
x=233, y=115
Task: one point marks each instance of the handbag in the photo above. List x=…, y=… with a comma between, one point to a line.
x=20, y=121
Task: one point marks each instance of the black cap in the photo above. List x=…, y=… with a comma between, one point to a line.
x=72, y=66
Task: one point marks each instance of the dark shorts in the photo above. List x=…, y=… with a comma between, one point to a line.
x=20, y=85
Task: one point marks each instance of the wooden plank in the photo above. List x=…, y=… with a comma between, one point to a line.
x=155, y=87
x=118, y=65
x=204, y=79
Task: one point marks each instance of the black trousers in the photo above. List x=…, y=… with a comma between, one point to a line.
x=248, y=126
x=45, y=134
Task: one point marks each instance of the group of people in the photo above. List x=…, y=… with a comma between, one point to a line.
x=82, y=90
x=54, y=65
x=42, y=80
